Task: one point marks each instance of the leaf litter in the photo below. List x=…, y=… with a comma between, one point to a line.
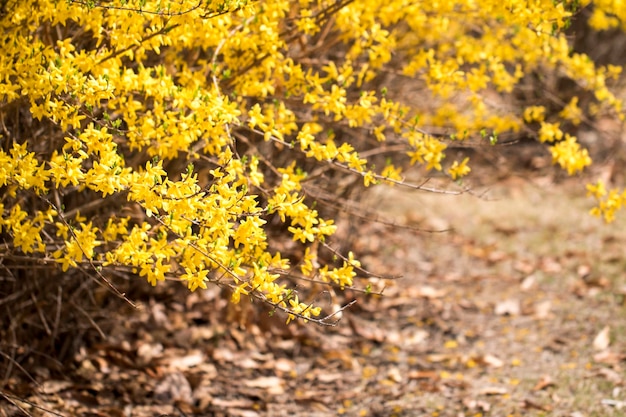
x=499, y=317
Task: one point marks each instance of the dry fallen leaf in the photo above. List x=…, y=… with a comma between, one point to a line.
x=174, y=387
x=54, y=386
x=545, y=382
x=228, y=403
x=223, y=355
x=611, y=376
x=242, y=413
x=272, y=384
x=597, y=282
x=583, y=271
x=426, y=291
x=441, y=357
x=472, y=404
x=511, y=307
x=492, y=361
x=525, y=266
x=368, y=330
x=603, y=339
x=148, y=351
x=529, y=404
x=409, y=337
x=394, y=375
x=284, y=365
x=493, y=391
x=608, y=357
x=550, y=265
x=328, y=377
x=614, y=403
x=192, y=359
x=542, y=309
x=423, y=375
x=528, y=282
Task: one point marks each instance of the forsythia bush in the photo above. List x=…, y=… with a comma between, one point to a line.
x=172, y=138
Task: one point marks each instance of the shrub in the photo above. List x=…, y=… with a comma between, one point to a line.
x=197, y=140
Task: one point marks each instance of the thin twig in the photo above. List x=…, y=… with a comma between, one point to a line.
x=20, y=367
x=89, y=260
x=57, y=316
x=161, y=31
x=12, y=398
x=291, y=274
x=382, y=178
x=357, y=267
x=91, y=320
x=136, y=10
x=41, y=315
x=366, y=214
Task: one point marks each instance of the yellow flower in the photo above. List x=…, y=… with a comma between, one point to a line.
x=550, y=132
x=240, y=289
x=458, y=170
x=572, y=112
x=598, y=190
x=534, y=114
x=569, y=155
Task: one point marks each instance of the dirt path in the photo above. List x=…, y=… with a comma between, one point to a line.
x=520, y=311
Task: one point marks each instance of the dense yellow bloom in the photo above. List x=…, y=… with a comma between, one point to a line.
x=204, y=126
x=569, y=155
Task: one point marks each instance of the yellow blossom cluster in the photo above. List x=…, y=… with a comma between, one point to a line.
x=608, y=202
x=169, y=138
x=607, y=14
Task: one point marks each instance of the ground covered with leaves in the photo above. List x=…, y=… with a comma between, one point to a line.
x=517, y=309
